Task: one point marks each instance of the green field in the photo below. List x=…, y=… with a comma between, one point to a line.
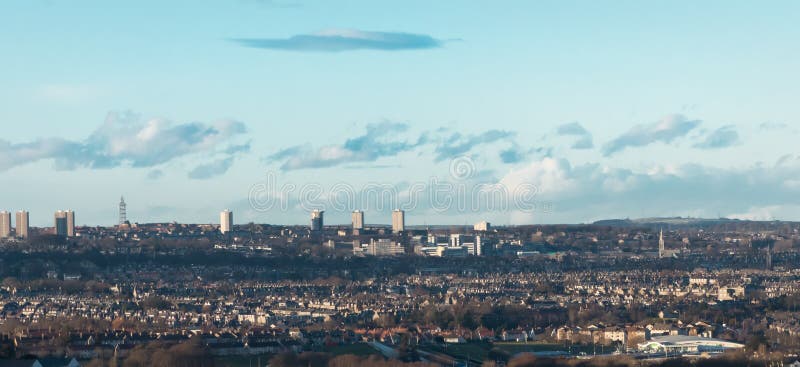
x=473, y=351
x=513, y=348
x=242, y=361
x=479, y=351
x=360, y=349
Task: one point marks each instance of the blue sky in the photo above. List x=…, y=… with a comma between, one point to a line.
x=610, y=109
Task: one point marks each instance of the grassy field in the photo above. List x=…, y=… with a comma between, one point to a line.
x=513, y=348
x=361, y=349
x=242, y=361
x=480, y=351
x=473, y=351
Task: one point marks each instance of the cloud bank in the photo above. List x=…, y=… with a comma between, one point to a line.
x=124, y=140
x=566, y=193
x=340, y=40
x=579, y=191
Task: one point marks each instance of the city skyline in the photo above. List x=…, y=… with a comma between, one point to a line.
x=610, y=110
x=335, y=183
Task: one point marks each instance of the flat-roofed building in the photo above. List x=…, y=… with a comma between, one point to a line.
x=5, y=224
x=683, y=344
x=22, y=225
x=398, y=221
x=70, y=223
x=317, y=222
x=384, y=247
x=225, y=221
x=60, y=225
x=65, y=223
x=358, y=219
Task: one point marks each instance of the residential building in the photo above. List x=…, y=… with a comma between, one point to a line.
x=317, y=222
x=225, y=221
x=5, y=224
x=398, y=221
x=23, y=226
x=358, y=219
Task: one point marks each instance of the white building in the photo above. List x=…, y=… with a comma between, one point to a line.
x=471, y=243
x=384, y=247
x=358, y=219
x=225, y=221
x=682, y=344
x=474, y=246
x=398, y=221
x=482, y=226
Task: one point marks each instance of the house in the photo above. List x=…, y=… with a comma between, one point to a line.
x=615, y=334
x=484, y=334
x=564, y=333
x=514, y=336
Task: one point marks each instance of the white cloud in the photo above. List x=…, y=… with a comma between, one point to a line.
x=591, y=191
x=124, y=140
x=548, y=175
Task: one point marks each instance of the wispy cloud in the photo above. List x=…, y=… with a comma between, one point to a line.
x=769, y=126
x=666, y=130
x=516, y=154
x=238, y=149
x=220, y=166
x=380, y=140
x=584, y=141
x=720, y=138
x=339, y=40
x=386, y=139
x=213, y=169
x=155, y=174
x=457, y=144
x=778, y=127
x=124, y=140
